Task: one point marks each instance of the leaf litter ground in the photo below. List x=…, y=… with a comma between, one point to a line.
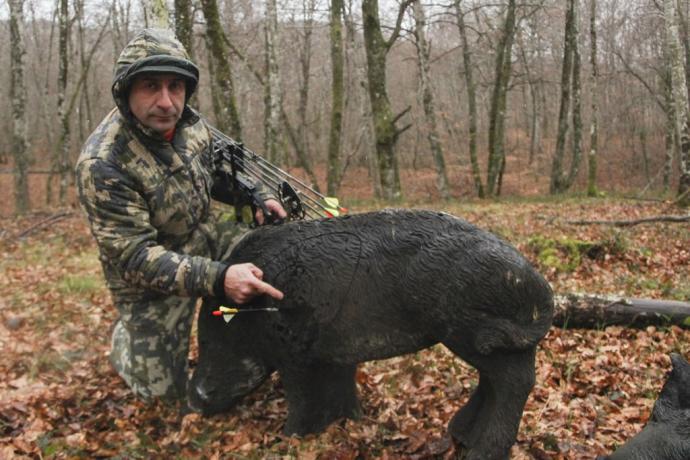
x=59, y=398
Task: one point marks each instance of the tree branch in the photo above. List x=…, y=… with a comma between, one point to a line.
x=398, y=24
x=398, y=132
x=86, y=68
x=640, y=79
x=244, y=59
x=44, y=223
x=401, y=114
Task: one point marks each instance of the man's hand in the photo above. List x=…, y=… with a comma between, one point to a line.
x=274, y=208
x=243, y=282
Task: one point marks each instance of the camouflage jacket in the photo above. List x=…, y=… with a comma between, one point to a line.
x=147, y=199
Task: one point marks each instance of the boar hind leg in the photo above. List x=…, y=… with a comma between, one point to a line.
x=487, y=426
x=318, y=395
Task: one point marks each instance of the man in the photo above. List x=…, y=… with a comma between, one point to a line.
x=145, y=178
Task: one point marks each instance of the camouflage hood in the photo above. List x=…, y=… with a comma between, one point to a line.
x=151, y=50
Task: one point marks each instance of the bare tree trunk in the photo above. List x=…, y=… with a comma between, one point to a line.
x=156, y=14
x=43, y=86
x=357, y=67
x=670, y=129
x=184, y=24
x=384, y=121
x=428, y=99
x=85, y=116
x=305, y=52
x=337, y=97
x=63, y=145
x=298, y=138
x=531, y=115
x=119, y=18
x=20, y=145
x=225, y=105
x=499, y=101
x=577, y=104
x=471, y=99
x=680, y=95
x=594, y=123
x=558, y=180
x=298, y=145
x=642, y=133
x=685, y=38
x=273, y=93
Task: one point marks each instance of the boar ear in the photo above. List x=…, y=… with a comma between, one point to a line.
x=679, y=363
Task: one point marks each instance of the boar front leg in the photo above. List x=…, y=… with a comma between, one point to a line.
x=317, y=395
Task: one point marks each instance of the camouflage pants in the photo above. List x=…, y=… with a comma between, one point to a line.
x=150, y=341
x=150, y=346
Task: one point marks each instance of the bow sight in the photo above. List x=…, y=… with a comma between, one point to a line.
x=299, y=200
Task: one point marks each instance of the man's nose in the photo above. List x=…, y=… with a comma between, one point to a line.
x=164, y=100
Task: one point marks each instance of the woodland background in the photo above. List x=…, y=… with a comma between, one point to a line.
x=481, y=98
x=504, y=108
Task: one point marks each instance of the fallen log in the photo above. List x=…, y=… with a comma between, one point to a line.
x=630, y=223
x=595, y=312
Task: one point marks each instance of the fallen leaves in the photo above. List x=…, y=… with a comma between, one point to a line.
x=59, y=397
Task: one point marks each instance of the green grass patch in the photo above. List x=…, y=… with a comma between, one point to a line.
x=79, y=284
x=49, y=446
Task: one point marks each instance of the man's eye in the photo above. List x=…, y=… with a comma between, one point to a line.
x=176, y=86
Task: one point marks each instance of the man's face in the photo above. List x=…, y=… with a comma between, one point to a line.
x=157, y=100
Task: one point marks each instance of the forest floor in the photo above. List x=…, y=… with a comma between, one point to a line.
x=59, y=397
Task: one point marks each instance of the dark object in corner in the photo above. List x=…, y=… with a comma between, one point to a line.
x=667, y=434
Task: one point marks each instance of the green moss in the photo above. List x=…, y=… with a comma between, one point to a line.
x=566, y=254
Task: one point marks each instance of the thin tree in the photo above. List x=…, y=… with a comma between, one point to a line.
x=670, y=127
x=224, y=104
x=570, y=86
x=386, y=131
x=305, y=54
x=471, y=98
x=120, y=18
x=273, y=100
x=680, y=95
x=594, y=122
x=428, y=98
x=337, y=96
x=576, y=158
x=156, y=14
x=298, y=138
x=20, y=145
x=184, y=24
x=533, y=116
x=61, y=162
x=61, y=156
x=499, y=102
x=359, y=87
x=85, y=115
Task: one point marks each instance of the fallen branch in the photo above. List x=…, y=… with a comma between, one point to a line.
x=594, y=312
x=44, y=223
x=628, y=223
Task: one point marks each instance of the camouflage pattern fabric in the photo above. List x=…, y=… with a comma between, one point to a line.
x=148, y=205
x=150, y=344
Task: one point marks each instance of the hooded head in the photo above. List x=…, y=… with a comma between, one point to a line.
x=151, y=51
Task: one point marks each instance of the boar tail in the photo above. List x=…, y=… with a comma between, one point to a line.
x=508, y=334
